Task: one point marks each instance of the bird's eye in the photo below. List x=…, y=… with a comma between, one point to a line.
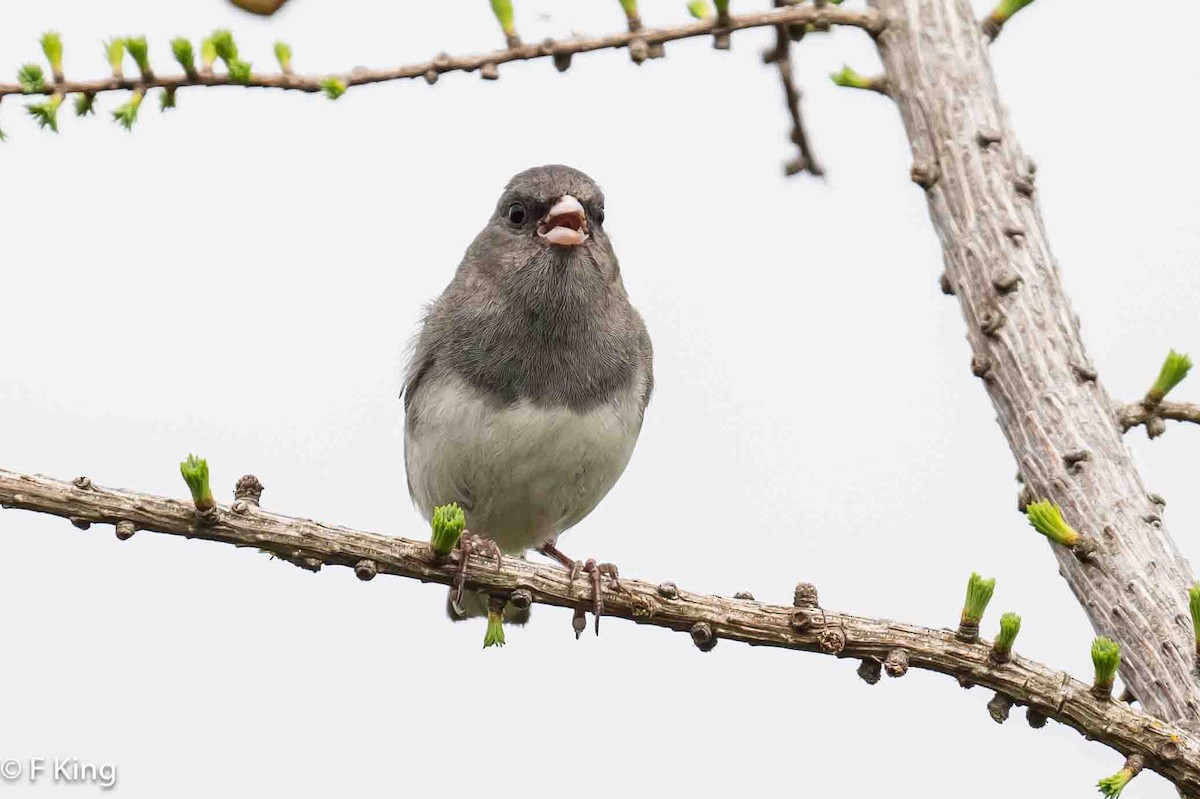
x=516, y=214
x=600, y=215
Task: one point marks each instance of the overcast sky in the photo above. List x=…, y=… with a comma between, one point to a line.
x=240, y=278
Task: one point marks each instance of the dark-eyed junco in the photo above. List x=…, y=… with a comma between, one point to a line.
x=530, y=377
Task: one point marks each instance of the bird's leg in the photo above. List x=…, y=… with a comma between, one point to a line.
x=596, y=571
x=573, y=567
x=470, y=544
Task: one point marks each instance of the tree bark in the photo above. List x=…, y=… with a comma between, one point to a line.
x=1059, y=421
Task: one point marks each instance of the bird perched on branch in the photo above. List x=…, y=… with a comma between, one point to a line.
x=530, y=377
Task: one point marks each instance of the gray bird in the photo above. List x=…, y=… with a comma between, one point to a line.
x=530, y=377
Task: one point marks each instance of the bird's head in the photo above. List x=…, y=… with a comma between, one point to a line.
x=549, y=217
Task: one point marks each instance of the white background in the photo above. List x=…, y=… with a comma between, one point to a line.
x=240, y=278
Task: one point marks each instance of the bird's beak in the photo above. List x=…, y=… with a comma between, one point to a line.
x=565, y=224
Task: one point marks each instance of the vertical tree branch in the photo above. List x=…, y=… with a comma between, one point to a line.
x=1027, y=346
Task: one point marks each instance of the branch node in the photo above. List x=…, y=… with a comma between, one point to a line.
x=1023, y=185
x=924, y=175
x=869, y=670
x=668, y=591
x=986, y=137
x=999, y=707
x=1006, y=282
x=805, y=596
x=248, y=489
x=1035, y=718
x=83, y=483
x=703, y=637
x=1084, y=373
x=896, y=663
x=82, y=524
x=981, y=365
x=991, y=320
x=1075, y=460
x=562, y=61
x=431, y=76
x=832, y=640
x=744, y=595
x=366, y=569
x=521, y=599
x=799, y=620
x=125, y=530
x=945, y=284
x=489, y=71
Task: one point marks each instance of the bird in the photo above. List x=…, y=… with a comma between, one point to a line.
x=528, y=382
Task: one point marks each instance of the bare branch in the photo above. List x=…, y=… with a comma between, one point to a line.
x=560, y=50
x=1059, y=422
x=781, y=56
x=1137, y=413
x=1171, y=751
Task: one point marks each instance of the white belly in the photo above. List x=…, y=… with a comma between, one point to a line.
x=525, y=473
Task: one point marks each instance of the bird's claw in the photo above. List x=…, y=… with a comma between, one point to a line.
x=596, y=572
x=470, y=544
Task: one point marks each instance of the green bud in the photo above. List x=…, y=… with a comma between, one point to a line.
x=3, y=135
x=139, y=50
x=722, y=7
x=31, y=78
x=979, y=594
x=1106, y=658
x=1047, y=519
x=208, y=53
x=53, y=50
x=1010, y=625
x=503, y=9
x=849, y=79
x=1194, y=606
x=239, y=71
x=195, y=474
x=1007, y=8
x=630, y=7
x=447, y=525
x=126, y=115
x=495, y=630
x=283, y=54
x=166, y=98
x=699, y=9
x=1174, y=369
x=114, y=51
x=46, y=113
x=224, y=46
x=181, y=48
x=1111, y=787
x=333, y=87
x=85, y=104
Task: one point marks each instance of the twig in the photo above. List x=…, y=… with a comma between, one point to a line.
x=1169, y=750
x=781, y=55
x=1136, y=413
x=827, y=15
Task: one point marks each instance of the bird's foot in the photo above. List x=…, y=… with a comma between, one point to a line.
x=469, y=544
x=596, y=573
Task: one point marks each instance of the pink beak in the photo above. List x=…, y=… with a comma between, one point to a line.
x=565, y=224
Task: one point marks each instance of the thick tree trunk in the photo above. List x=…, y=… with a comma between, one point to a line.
x=1059, y=421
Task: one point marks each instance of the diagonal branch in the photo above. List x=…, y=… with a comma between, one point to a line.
x=430, y=70
x=1028, y=352
x=1136, y=413
x=1171, y=751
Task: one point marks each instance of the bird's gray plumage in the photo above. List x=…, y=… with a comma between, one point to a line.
x=530, y=376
